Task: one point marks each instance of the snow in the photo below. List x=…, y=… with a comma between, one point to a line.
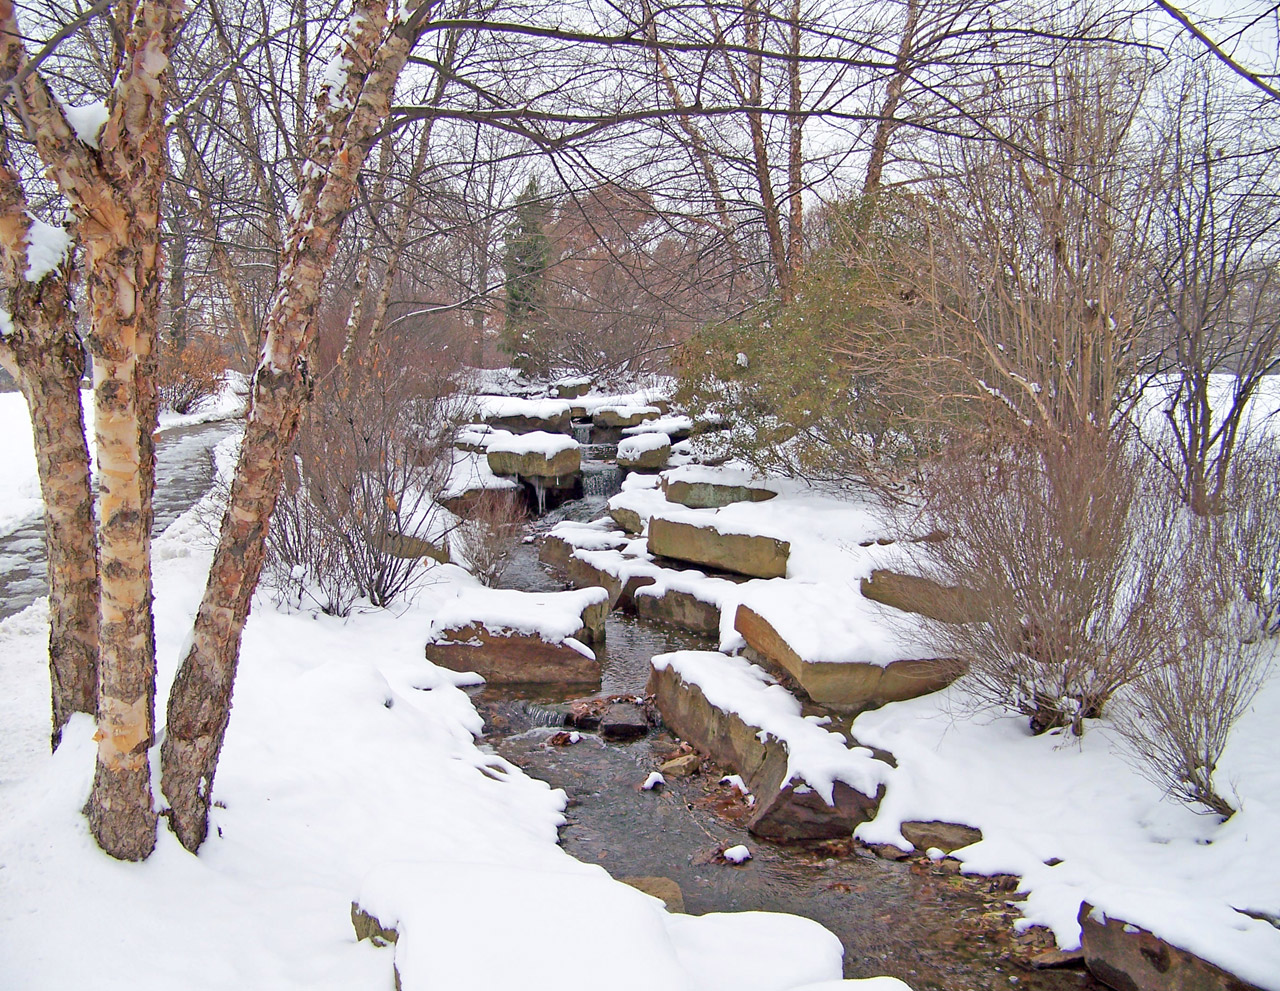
x=737, y=854
x=351, y=773
x=471, y=473
x=815, y=755
x=47, y=248
x=555, y=617
x=1121, y=845
x=662, y=425
x=836, y=624
x=6, y=323
x=87, y=121
x=19, y=483
x=500, y=407
x=652, y=781
x=630, y=448
x=535, y=442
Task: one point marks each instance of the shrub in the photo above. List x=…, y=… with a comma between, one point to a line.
x=1066, y=559
x=492, y=530
x=189, y=374
x=370, y=455
x=1247, y=534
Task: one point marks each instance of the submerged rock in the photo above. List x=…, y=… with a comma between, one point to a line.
x=623, y=721
x=660, y=887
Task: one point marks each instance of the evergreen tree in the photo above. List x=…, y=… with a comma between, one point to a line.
x=524, y=266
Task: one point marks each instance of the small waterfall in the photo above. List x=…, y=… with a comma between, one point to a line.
x=582, y=431
x=601, y=480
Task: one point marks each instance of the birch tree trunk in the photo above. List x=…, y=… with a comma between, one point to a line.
x=43, y=354
x=351, y=110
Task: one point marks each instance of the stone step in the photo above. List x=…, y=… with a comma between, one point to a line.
x=701, y=542
x=702, y=696
x=538, y=454
x=848, y=684
x=708, y=494
x=510, y=637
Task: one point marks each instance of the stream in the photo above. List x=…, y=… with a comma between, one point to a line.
x=914, y=920
x=184, y=472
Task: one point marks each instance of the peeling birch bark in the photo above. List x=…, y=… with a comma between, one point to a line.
x=115, y=193
x=43, y=354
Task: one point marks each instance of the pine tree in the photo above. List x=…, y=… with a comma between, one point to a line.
x=524, y=266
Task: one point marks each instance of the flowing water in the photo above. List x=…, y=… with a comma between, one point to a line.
x=184, y=472
x=914, y=920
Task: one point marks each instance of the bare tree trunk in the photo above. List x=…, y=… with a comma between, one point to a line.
x=697, y=141
x=114, y=186
x=795, y=152
x=892, y=97
x=760, y=150
x=51, y=384
x=200, y=701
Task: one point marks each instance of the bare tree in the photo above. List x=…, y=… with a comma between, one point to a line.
x=1216, y=273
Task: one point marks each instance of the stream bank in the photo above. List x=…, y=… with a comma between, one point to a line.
x=915, y=920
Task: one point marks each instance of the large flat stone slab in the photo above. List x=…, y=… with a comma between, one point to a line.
x=644, y=452
x=619, y=416
x=702, y=543
x=1128, y=958
x=707, y=493
x=842, y=650
x=537, y=454
x=913, y=593
x=510, y=637
x=584, y=557
x=525, y=415
x=712, y=708
x=679, y=608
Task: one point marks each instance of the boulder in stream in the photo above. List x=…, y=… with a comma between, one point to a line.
x=1129, y=958
x=735, y=713
x=510, y=637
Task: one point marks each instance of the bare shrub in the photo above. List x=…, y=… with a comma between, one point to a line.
x=1064, y=559
x=189, y=373
x=1179, y=714
x=493, y=529
x=1247, y=535
x=370, y=456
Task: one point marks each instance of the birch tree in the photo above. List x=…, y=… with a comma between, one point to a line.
x=111, y=176
x=352, y=106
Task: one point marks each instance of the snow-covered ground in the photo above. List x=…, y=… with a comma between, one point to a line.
x=351, y=772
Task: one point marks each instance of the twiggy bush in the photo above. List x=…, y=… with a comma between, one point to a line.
x=1247, y=535
x=1180, y=713
x=189, y=374
x=492, y=530
x=369, y=457
x=1065, y=562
